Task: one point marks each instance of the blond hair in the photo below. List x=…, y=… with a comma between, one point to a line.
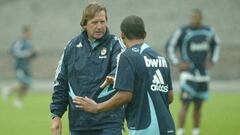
x=90, y=11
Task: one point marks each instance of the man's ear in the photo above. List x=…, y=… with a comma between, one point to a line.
x=84, y=27
x=123, y=35
x=145, y=35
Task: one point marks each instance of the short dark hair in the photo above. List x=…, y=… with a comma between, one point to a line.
x=90, y=12
x=197, y=11
x=26, y=28
x=133, y=27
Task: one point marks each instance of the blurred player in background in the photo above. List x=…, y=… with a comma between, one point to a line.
x=22, y=52
x=198, y=47
x=143, y=82
x=87, y=65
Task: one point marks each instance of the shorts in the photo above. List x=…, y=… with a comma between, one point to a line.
x=193, y=89
x=107, y=131
x=23, y=76
x=187, y=97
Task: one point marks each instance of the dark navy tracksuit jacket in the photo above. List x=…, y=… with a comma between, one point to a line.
x=81, y=70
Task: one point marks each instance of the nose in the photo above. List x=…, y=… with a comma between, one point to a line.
x=99, y=25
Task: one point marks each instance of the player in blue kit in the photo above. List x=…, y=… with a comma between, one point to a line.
x=23, y=53
x=199, y=48
x=143, y=82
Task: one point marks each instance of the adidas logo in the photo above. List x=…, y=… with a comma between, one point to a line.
x=79, y=45
x=158, y=82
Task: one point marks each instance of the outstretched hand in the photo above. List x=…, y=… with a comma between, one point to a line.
x=86, y=104
x=108, y=80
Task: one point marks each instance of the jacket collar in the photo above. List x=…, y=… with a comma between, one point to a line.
x=97, y=41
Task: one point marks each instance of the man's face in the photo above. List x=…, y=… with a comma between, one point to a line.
x=28, y=34
x=97, y=26
x=195, y=19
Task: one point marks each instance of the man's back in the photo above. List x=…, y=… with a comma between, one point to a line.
x=149, y=80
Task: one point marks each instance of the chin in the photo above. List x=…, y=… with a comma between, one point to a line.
x=98, y=36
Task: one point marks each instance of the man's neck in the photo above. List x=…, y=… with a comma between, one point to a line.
x=198, y=25
x=130, y=43
x=91, y=40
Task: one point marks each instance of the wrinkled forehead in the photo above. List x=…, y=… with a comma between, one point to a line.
x=99, y=16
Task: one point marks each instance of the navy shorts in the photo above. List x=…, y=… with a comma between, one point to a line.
x=23, y=76
x=107, y=131
x=194, y=92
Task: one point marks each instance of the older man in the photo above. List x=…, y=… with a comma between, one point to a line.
x=86, y=66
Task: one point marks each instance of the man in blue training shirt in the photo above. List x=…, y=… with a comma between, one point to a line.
x=87, y=65
x=23, y=53
x=144, y=85
x=199, y=49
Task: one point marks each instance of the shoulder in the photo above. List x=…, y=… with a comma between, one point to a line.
x=180, y=30
x=209, y=29
x=132, y=54
x=72, y=43
x=19, y=42
x=115, y=42
x=184, y=28
x=206, y=27
x=128, y=53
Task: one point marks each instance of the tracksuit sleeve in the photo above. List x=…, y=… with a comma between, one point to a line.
x=60, y=89
x=117, y=48
x=214, y=48
x=171, y=46
x=124, y=74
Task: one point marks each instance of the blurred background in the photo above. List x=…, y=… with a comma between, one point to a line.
x=54, y=22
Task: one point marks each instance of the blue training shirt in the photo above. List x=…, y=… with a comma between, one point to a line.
x=146, y=74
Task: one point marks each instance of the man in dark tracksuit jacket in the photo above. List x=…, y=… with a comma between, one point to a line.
x=198, y=46
x=87, y=61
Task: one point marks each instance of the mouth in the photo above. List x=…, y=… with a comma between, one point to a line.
x=98, y=34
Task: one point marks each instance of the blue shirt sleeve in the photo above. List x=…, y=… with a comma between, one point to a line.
x=125, y=74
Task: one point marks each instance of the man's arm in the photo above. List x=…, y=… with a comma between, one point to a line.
x=214, y=48
x=171, y=46
x=170, y=96
x=60, y=96
x=119, y=99
x=116, y=49
x=124, y=82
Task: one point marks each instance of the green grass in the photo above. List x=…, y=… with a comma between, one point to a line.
x=220, y=115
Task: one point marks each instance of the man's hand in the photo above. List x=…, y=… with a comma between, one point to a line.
x=56, y=126
x=86, y=104
x=183, y=66
x=208, y=65
x=108, y=80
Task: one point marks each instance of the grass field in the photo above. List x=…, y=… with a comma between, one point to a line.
x=220, y=115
